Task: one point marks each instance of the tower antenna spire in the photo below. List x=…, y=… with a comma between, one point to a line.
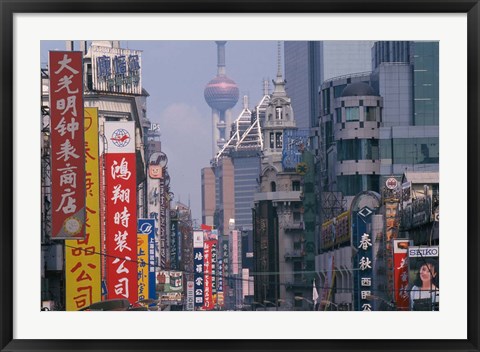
x=279, y=58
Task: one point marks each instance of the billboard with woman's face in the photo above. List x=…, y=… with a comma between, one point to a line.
x=424, y=278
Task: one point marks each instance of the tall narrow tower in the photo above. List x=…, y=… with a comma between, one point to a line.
x=221, y=94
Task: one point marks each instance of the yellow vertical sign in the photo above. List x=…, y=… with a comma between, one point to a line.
x=82, y=257
x=142, y=266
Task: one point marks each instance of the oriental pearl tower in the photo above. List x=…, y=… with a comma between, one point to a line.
x=221, y=94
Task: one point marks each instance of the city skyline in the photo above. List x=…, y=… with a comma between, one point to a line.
x=176, y=98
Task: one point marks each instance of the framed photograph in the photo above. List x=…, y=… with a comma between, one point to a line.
x=161, y=57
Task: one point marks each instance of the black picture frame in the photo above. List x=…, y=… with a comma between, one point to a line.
x=11, y=7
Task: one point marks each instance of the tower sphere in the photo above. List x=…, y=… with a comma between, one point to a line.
x=221, y=93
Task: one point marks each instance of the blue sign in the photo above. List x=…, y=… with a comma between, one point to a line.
x=198, y=276
x=362, y=241
x=294, y=142
x=147, y=227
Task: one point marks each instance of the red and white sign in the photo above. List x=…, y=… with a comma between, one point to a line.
x=67, y=144
x=400, y=273
x=121, y=200
x=391, y=183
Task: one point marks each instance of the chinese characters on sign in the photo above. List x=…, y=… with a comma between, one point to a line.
x=363, y=261
x=207, y=266
x=116, y=70
x=121, y=239
x=142, y=266
x=82, y=256
x=67, y=143
x=198, y=268
x=400, y=273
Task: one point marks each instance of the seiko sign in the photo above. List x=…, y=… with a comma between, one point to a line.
x=422, y=252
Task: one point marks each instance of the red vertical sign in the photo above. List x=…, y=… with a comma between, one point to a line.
x=207, y=269
x=67, y=144
x=121, y=219
x=400, y=274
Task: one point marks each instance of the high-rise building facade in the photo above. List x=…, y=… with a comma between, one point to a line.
x=309, y=63
x=379, y=133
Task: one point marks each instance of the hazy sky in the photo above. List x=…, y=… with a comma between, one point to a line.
x=175, y=74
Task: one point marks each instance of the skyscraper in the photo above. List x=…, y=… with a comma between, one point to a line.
x=309, y=63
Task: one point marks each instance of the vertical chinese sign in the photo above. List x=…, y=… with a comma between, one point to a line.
x=400, y=273
x=363, y=271
x=82, y=256
x=226, y=267
x=67, y=144
x=146, y=259
x=208, y=282
x=214, y=272
x=198, y=268
x=220, y=297
x=121, y=237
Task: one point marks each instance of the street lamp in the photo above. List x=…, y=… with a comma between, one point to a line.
x=391, y=305
x=259, y=304
x=328, y=303
x=300, y=298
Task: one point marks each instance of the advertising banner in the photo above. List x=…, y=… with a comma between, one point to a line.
x=235, y=259
x=363, y=260
x=163, y=225
x=391, y=233
x=329, y=280
x=116, y=70
x=336, y=231
x=82, y=256
x=198, y=268
x=170, y=281
x=424, y=277
x=294, y=143
x=225, y=261
x=207, y=267
x=190, y=296
x=214, y=269
x=400, y=273
x=142, y=266
x=174, y=239
x=147, y=227
x=121, y=237
x=220, y=278
x=67, y=144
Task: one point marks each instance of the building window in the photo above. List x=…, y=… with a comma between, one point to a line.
x=296, y=186
x=278, y=139
x=338, y=114
x=370, y=113
x=352, y=114
x=297, y=217
x=272, y=140
x=278, y=112
x=273, y=186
